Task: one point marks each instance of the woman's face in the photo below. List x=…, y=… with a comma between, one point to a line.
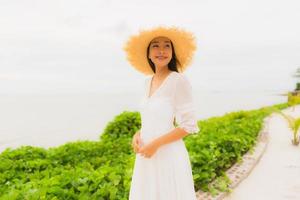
x=160, y=51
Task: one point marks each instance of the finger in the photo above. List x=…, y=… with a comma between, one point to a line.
x=141, y=142
x=136, y=148
x=137, y=142
x=133, y=145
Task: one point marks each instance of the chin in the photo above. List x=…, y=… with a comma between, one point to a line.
x=161, y=63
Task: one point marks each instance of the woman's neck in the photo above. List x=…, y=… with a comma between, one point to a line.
x=162, y=73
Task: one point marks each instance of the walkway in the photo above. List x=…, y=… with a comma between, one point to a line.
x=277, y=175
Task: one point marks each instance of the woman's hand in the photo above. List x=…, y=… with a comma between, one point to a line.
x=149, y=149
x=136, y=142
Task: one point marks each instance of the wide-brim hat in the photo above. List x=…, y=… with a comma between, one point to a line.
x=184, y=43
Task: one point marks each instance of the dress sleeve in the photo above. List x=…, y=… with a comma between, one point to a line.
x=184, y=106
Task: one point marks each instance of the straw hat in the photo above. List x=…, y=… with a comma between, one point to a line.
x=184, y=43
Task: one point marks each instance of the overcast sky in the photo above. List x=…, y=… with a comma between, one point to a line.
x=71, y=45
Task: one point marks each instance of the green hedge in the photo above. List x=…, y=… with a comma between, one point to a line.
x=102, y=169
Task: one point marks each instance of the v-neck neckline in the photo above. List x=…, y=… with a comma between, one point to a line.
x=158, y=88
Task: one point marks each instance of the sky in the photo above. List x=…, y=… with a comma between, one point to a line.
x=69, y=46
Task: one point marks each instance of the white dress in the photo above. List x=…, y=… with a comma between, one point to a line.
x=167, y=175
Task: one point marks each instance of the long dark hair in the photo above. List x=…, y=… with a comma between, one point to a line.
x=172, y=65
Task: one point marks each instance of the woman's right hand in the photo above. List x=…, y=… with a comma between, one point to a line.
x=136, y=142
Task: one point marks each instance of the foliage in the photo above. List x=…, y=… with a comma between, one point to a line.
x=103, y=169
x=293, y=99
x=294, y=125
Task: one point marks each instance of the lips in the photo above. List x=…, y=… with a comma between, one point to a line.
x=161, y=57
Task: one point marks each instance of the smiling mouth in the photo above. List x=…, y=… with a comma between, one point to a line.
x=161, y=57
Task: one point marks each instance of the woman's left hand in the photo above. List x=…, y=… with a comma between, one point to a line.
x=149, y=149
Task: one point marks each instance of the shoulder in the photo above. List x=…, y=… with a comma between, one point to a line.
x=180, y=75
x=181, y=78
x=183, y=84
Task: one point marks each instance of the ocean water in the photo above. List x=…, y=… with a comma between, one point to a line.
x=48, y=120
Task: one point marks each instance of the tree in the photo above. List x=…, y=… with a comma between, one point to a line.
x=297, y=75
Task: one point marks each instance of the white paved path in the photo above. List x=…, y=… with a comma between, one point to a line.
x=277, y=175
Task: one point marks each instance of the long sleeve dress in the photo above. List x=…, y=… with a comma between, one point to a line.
x=167, y=175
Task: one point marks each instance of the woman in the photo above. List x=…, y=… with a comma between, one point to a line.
x=162, y=169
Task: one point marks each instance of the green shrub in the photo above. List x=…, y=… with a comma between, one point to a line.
x=122, y=126
x=103, y=169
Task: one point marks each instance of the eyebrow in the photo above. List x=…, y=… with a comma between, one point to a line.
x=157, y=42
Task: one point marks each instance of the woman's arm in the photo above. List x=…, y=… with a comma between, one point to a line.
x=149, y=149
x=174, y=135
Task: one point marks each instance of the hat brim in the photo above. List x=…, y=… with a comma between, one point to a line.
x=184, y=43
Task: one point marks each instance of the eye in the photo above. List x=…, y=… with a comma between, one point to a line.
x=155, y=45
x=168, y=45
